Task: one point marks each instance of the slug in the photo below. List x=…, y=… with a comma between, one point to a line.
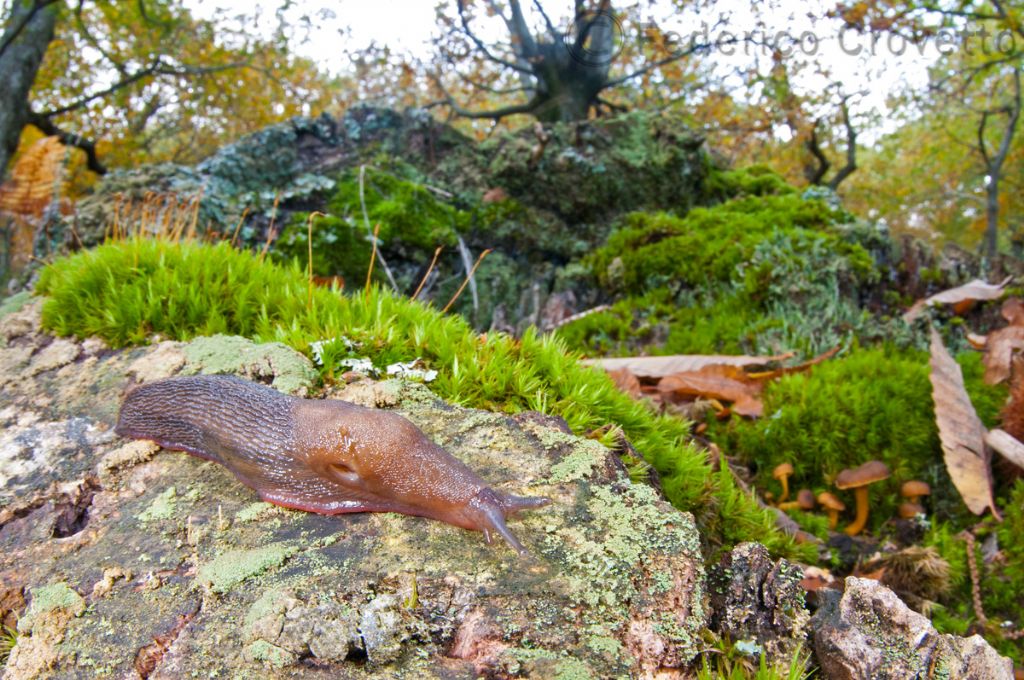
x=320, y=455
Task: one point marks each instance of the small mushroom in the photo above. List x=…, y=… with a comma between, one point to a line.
x=782, y=472
x=910, y=510
x=914, y=489
x=804, y=501
x=858, y=479
x=833, y=506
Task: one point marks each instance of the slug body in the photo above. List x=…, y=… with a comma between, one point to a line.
x=319, y=455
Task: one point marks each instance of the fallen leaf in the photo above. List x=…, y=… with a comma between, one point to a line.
x=1000, y=348
x=626, y=381
x=1013, y=311
x=1007, y=445
x=960, y=430
x=960, y=297
x=729, y=383
x=659, y=367
x=799, y=368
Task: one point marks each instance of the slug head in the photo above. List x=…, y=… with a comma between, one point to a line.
x=488, y=509
x=379, y=461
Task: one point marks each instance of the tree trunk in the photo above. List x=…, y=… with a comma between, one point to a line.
x=27, y=33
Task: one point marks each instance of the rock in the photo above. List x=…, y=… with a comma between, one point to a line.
x=177, y=569
x=272, y=363
x=760, y=601
x=867, y=632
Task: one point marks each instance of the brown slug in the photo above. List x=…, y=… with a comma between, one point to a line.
x=319, y=455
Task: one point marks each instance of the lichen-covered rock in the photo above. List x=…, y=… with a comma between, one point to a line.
x=759, y=600
x=867, y=632
x=180, y=571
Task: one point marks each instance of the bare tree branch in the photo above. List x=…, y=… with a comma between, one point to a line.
x=47, y=127
x=851, y=145
x=480, y=43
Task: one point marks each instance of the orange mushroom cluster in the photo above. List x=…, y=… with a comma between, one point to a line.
x=857, y=480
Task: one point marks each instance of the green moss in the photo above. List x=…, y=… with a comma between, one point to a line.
x=412, y=224
x=162, y=507
x=126, y=291
x=235, y=566
x=756, y=180
x=872, y=404
x=761, y=274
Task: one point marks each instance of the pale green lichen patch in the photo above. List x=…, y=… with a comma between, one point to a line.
x=272, y=655
x=289, y=371
x=580, y=463
x=48, y=598
x=162, y=507
x=14, y=303
x=235, y=566
x=255, y=511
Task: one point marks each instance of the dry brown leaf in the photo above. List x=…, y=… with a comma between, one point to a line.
x=1006, y=444
x=787, y=370
x=659, y=367
x=1000, y=348
x=626, y=381
x=960, y=297
x=31, y=186
x=729, y=383
x=960, y=430
x=1013, y=311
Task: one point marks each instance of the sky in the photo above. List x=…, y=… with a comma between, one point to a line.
x=407, y=25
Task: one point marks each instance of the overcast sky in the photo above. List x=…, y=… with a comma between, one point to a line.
x=407, y=25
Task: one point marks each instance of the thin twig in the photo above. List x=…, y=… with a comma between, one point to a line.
x=238, y=226
x=427, y=275
x=309, y=259
x=972, y=567
x=366, y=223
x=466, y=281
x=373, y=257
x=270, y=228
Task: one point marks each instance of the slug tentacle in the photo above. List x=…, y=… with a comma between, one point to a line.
x=319, y=455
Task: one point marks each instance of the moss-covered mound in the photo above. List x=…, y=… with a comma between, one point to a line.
x=127, y=291
x=768, y=270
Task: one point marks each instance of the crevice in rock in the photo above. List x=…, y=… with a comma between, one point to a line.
x=72, y=511
x=149, y=657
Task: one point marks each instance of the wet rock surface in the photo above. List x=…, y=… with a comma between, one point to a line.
x=867, y=632
x=121, y=559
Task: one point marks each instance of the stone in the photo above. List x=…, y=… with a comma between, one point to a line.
x=868, y=632
x=759, y=600
x=184, y=573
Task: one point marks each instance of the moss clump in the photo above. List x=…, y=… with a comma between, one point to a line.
x=412, y=224
x=758, y=274
x=871, y=404
x=756, y=180
x=126, y=291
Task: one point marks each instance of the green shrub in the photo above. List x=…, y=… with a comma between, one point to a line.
x=126, y=291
